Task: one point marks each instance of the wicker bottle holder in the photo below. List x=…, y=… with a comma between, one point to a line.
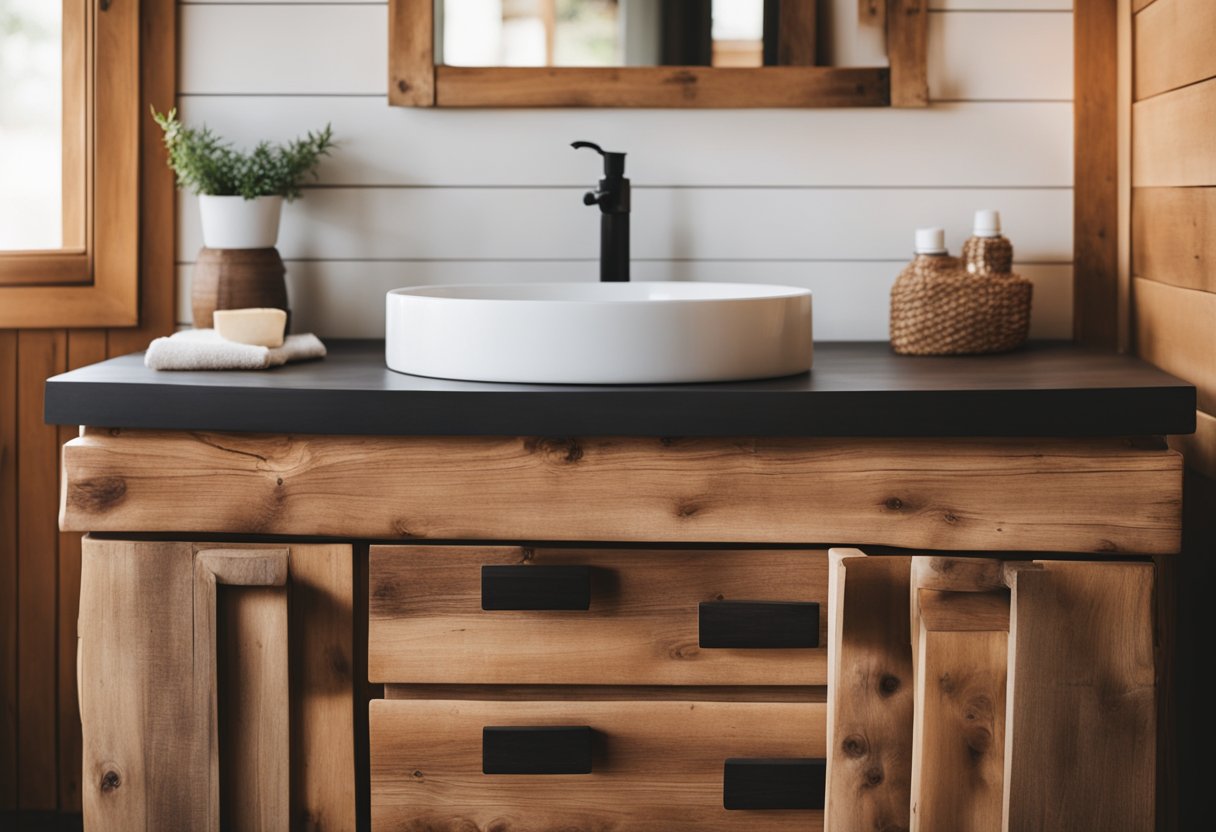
x=988, y=255
x=937, y=308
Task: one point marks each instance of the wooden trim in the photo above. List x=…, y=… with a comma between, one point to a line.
x=661, y=86
x=1096, y=191
x=9, y=597
x=415, y=81
x=113, y=227
x=44, y=268
x=77, y=116
x=796, y=32
x=612, y=693
x=1176, y=330
x=908, y=52
x=930, y=494
x=411, y=53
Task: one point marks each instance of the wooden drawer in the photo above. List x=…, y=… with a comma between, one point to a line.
x=655, y=766
x=642, y=626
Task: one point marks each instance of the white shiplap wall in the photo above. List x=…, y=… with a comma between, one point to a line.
x=825, y=199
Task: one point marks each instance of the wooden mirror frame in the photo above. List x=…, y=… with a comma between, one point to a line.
x=415, y=80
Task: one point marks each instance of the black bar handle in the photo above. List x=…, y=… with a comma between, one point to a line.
x=759, y=624
x=774, y=783
x=535, y=587
x=547, y=749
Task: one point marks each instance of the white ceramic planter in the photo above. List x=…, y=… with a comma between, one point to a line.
x=236, y=222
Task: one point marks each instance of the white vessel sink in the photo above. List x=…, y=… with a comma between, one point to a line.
x=599, y=333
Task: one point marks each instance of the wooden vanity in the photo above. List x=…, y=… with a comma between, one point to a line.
x=896, y=593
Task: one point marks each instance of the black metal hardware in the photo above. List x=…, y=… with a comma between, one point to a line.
x=759, y=624
x=773, y=783
x=548, y=749
x=535, y=587
x=612, y=196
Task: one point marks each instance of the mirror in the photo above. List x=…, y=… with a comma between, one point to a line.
x=620, y=33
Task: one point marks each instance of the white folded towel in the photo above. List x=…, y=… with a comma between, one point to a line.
x=204, y=349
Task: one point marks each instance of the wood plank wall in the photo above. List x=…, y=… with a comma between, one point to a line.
x=40, y=755
x=1173, y=259
x=826, y=199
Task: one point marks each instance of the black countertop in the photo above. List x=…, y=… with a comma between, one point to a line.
x=855, y=389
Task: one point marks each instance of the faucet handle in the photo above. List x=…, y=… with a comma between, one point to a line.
x=614, y=163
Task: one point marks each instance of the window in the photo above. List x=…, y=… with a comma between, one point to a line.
x=69, y=95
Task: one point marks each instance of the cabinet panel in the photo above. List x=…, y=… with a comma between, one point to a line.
x=649, y=613
x=655, y=766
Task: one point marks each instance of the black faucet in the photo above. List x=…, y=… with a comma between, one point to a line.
x=612, y=196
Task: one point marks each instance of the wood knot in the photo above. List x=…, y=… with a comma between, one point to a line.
x=681, y=77
x=888, y=684
x=418, y=775
x=946, y=683
x=854, y=746
x=97, y=494
x=895, y=504
x=110, y=781
x=403, y=86
x=873, y=776
x=561, y=448
x=279, y=482
x=950, y=517
x=687, y=509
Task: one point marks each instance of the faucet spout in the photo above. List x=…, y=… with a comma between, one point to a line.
x=613, y=197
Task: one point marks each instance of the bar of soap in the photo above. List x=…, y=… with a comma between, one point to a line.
x=259, y=327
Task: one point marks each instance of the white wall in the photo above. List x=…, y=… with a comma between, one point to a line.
x=826, y=199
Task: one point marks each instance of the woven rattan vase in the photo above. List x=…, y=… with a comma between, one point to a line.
x=937, y=308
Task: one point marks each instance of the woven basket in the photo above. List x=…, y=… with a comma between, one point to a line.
x=937, y=308
x=988, y=255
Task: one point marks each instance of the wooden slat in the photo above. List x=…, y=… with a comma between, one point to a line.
x=1199, y=448
x=1172, y=138
x=1081, y=737
x=870, y=692
x=1173, y=45
x=908, y=51
x=138, y=671
x=411, y=53
x=796, y=32
x=612, y=693
x=932, y=494
x=958, y=746
x=1176, y=330
x=658, y=766
x=8, y=570
x=427, y=624
x=43, y=353
x=1174, y=236
x=1096, y=180
x=84, y=347
x=657, y=86
x=323, y=788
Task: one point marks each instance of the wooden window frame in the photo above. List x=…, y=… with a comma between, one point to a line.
x=93, y=280
x=416, y=81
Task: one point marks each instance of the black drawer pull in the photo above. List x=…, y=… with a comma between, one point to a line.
x=759, y=624
x=773, y=783
x=548, y=749
x=535, y=587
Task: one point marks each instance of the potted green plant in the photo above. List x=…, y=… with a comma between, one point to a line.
x=240, y=193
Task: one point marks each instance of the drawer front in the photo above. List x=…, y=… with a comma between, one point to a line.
x=481, y=615
x=654, y=766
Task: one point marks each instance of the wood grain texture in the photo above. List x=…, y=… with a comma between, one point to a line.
x=42, y=353
x=323, y=673
x=1174, y=236
x=138, y=671
x=796, y=32
x=870, y=692
x=657, y=765
x=1040, y=495
x=1176, y=330
x=908, y=51
x=1172, y=138
x=411, y=53
x=667, y=87
x=958, y=738
x=1173, y=45
x=84, y=347
x=611, y=693
x=1081, y=729
x=9, y=696
x=427, y=624
x=1199, y=448
x=1096, y=178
